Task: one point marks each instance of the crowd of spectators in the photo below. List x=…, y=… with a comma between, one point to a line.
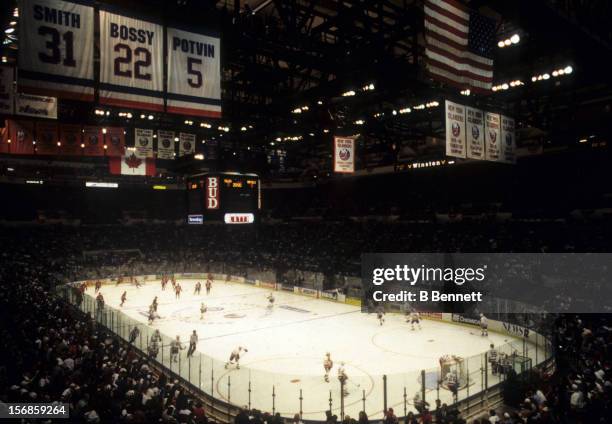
x=51, y=353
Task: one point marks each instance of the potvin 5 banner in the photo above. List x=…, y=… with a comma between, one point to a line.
x=194, y=73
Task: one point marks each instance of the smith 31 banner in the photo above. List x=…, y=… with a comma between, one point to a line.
x=492, y=136
x=56, y=39
x=474, y=133
x=186, y=144
x=143, y=141
x=131, y=62
x=194, y=73
x=455, y=129
x=165, y=144
x=508, y=141
x=344, y=155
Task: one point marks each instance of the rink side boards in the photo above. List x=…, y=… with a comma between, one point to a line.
x=500, y=327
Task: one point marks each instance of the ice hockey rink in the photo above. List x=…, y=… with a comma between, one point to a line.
x=288, y=342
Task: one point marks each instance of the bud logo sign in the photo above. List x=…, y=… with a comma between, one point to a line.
x=212, y=192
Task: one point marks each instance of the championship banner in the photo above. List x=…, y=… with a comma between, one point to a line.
x=186, y=144
x=194, y=74
x=92, y=139
x=165, y=144
x=36, y=106
x=455, y=129
x=508, y=140
x=115, y=141
x=131, y=62
x=492, y=150
x=70, y=137
x=474, y=120
x=7, y=99
x=21, y=134
x=344, y=155
x=56, y=48
x=143, y=142
x=47, y=138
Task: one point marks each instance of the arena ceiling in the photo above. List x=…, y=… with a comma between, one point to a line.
x=282, y=55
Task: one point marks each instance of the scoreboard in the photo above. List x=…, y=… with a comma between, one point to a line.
x=229, y=197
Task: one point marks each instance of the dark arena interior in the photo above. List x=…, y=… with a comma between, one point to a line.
x=305, y=211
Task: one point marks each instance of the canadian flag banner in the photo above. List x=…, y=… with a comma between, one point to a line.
x=131, y=165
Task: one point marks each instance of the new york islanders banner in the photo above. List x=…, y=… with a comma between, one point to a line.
x=344, y=155
x=186, y=144
x=143, y=142
x=508, y=141
x=56, y=48
x=474, y=133
x=455, y=129
x=131, y=62
x=492, y=150
x=194, y=73
x=47, y=137
x=93, y=141
x=165, y=144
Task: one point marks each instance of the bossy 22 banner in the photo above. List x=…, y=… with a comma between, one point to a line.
x=56, y=55
x=194, y=73
x=131, y=62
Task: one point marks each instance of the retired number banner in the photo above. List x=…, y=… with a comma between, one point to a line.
x=143, y=141
x=194, y=73
x=508, y=141
x=165, y=144
x=344, y=155
x=131, y=62
x=492, y=136
x=474, y=133
x=56, y=48
x=455, y=129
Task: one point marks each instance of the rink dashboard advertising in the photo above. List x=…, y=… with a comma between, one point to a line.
x=464, y=282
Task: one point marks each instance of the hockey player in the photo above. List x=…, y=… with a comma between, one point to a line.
x=415, y=319
x=164, y=281
x=343, y=378
x=154, y=304
x=484, y=325
x=152, y=314
x=193, y=340
x=175, y=346
x=328, y=364
x=203, y=310
x=235, y=357
x=134, y=334
x=98, y=286
x=153, y=347
x=177, y=290
x=492, y=356
x=123, y=297
x=100, y=301
x=271, y=300
x=198, y=287
x=208, y=285
x=380, y=314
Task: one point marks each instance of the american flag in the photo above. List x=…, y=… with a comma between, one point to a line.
x=459, y=45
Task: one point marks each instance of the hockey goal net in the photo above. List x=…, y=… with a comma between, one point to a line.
x=452, y=369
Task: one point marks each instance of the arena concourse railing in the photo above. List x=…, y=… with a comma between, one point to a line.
x=225, y=392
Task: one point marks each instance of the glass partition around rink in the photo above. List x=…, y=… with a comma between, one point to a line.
x=298, y=386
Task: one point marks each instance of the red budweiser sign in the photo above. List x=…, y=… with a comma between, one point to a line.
x=212, y=192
